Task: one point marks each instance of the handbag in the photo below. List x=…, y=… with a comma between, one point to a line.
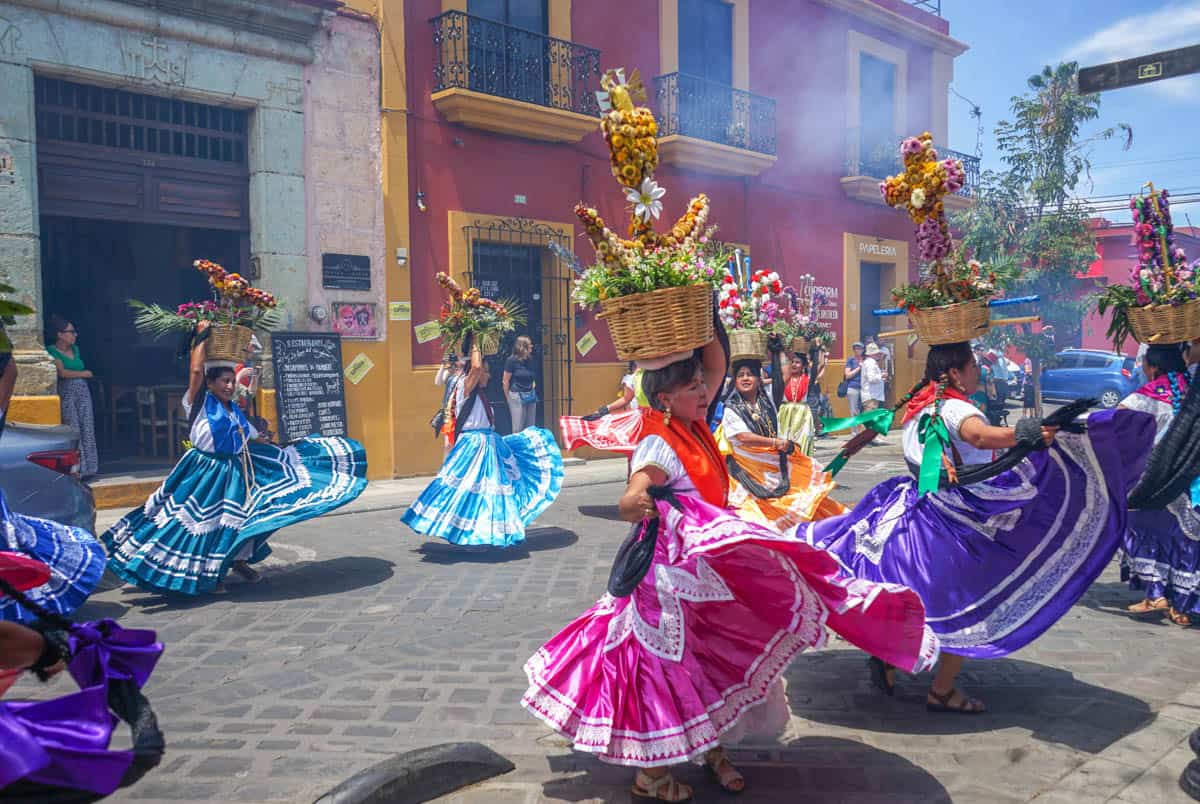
x=529, y=397
x=636, y=553
x=437, y=422
x=843, y=389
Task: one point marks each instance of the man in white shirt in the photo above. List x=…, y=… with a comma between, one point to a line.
x=873, y=381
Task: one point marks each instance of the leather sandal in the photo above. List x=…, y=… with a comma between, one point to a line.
x=1178, y=617
x=1148, y=606
x=662, y=788
x=717, y=763
x=966, y=705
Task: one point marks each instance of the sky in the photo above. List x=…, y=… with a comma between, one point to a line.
x=1011, y=40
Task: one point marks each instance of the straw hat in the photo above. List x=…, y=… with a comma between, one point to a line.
x=873, y=349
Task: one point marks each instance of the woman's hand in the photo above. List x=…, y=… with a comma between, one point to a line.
x=636, y=506
x=203, y=324
x=1048, y=434
x=86, y=374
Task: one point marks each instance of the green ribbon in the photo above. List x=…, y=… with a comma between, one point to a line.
x=934, y=438
x=879, y=420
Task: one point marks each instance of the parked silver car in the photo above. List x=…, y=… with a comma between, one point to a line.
x=39, y=474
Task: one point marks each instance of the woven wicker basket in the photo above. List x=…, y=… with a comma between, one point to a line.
x=747, y=344
x=1167, y=323
x=488, y=343
x=660, y=322
x=952, y=323
x=801, y=345
x=229, y=342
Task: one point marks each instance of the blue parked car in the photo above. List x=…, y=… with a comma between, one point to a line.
x=1084, y=373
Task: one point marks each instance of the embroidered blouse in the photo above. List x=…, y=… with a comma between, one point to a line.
x=219, y=429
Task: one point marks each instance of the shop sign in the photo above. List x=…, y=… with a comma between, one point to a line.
x=345, y=272
x=586, y=343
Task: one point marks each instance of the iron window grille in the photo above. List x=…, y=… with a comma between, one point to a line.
x=691, y=106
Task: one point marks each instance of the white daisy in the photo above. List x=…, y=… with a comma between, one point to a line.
x=646, y=199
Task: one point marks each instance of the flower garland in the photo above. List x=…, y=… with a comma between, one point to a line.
x=469, y=313
x=1162, y=275
x=645, y=260
x=235, y=302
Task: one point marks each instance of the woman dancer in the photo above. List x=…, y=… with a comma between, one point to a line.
x=997, y=562
x=772, y=481
x=74, y=558
x=795, y=415
x=490, y=487
x=657, y=677
x=227, y=494
x=1162, y=546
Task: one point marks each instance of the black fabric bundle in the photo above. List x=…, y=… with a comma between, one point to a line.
x=1063, y=418
x=1175, y=460
x=636, y=553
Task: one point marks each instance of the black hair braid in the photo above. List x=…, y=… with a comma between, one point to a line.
x=916, y=389
x=57, y=620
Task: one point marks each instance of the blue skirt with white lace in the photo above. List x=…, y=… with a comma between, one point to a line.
x=490, y=488
x=75, y=558
x=210, y=511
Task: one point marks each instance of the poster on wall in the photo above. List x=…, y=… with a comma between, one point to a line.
x=354, y=320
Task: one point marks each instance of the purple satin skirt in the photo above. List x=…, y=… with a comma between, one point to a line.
x=997, y=563
x=64, y=742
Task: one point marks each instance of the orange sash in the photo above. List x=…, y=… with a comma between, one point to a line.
x=697, y=451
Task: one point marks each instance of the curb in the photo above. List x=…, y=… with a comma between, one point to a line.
x=421, y=775
x=1144, y=766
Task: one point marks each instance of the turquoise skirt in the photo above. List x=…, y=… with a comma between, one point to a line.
x=490, y=488
x=206, y=515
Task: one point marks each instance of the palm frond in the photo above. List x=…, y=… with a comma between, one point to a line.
x=156, y=320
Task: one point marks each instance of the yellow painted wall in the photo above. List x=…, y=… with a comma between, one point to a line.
x=594, y=384
x=35, y=410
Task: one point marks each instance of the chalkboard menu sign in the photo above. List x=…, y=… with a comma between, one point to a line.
x=345, y=272
x=310, y=395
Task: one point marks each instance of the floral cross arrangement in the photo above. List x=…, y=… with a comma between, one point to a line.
x=1162, y=275
x=646, y=260
x=235, y=302
x=468, y=314
x=9, y=310
x=920, y=190
x=754, y=306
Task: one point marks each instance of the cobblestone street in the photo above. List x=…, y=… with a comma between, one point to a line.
x=364, y=640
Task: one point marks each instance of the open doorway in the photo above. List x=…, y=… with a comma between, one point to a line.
x=90, y=269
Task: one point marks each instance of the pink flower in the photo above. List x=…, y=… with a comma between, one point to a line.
x=911, y=146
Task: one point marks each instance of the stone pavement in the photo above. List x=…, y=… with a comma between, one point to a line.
x=364, y=640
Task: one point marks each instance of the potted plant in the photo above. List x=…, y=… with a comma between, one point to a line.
x=235, y=311
x=467, y=316
x=949, y=303
x=1161, y=303
x=654, y=289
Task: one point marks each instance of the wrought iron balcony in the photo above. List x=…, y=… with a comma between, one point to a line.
x=932, y=6
x=695, y=107
x=489, y=57
x=878, y=155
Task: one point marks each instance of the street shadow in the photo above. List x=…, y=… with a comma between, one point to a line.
x=806, y=770
x=94, y=610
x=1111, y=597
x=609, y=512
x=1051, y=703
x=536, y=540
x=304, y=579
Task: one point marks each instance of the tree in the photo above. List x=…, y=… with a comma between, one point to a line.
x=1026, y=213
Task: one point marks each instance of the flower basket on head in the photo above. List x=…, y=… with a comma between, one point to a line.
x=747, y=344
x=235, y=311
x=950, y=302
x=659, y=322
x=467, y=315
x=801, y=345
x=229, y=342
x=951, y=323
x=1161, y=304
x=654, y=290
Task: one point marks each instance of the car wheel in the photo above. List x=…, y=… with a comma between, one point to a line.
x=1110, y=399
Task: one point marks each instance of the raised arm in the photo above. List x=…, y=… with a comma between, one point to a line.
x=475, y=372
x=196, y=364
